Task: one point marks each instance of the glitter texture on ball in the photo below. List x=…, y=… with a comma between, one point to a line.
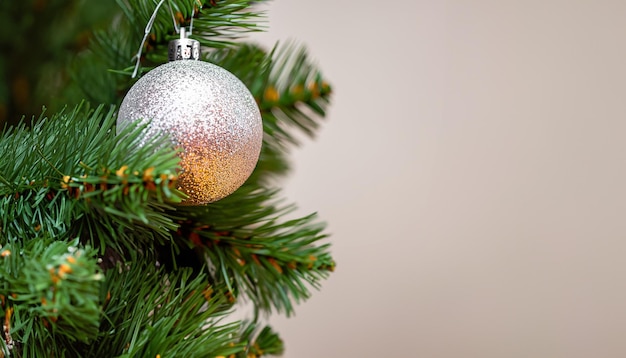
x=208, y=113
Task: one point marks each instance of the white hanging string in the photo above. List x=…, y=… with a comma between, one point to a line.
x=173, y=18
x=193, y=13
x=146, y=32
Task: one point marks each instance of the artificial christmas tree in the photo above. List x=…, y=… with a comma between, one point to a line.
x=101, y=253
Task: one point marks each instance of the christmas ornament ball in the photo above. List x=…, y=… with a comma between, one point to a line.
x=209, y=114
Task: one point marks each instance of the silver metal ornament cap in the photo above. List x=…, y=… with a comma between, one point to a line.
x=184, y=48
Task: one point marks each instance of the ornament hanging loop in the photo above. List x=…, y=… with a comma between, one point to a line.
x=181, y=49
x=184, y=48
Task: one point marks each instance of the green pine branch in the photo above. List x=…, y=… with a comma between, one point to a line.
x=49, y=296
x=259, y=255
x=215, y=23
x=71, y=175
x=296, y=95
x=151, y=313
x=101, y=72
x=261, y=341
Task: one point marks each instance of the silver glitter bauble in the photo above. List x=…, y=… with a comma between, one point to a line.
x=208, y=113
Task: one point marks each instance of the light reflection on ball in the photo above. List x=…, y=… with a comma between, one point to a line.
x=208, y=113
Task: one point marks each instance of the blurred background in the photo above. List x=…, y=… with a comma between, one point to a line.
x=472, y=172
x=42, y=44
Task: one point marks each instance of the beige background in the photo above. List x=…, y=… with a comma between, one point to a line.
x=472, y=171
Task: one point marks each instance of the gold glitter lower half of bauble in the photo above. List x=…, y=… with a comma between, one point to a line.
x=207, y=176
